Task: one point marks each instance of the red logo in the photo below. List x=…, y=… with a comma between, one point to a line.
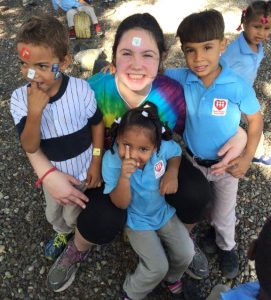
x=220, y=104
x=158, y=166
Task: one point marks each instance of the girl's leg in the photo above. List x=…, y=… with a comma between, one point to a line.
x=70, y=15
x=180, y=248
x=90, y=11
x=152, y=266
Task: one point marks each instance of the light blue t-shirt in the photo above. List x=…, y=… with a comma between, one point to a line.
x=66, y=4
x=213, y=113
x=247, y=291
x=148, y=209
x=240, y=58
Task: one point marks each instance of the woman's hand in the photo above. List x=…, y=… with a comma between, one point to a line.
x=61, y=187
x=231, y=150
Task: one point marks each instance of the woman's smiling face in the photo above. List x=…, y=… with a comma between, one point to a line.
x=137, y=61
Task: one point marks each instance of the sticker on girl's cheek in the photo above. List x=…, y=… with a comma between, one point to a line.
x=25, y=53
x=31, y=74
x=136, y=41
x=55, y=68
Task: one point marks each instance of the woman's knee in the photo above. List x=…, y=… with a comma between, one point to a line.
x=101, y=221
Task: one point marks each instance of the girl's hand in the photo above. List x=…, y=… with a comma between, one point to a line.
x=94, y=178
x=168, y=184
x=129, y=165
x=37, y=99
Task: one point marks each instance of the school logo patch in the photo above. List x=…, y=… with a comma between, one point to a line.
x=159, y=169
x=219, y=107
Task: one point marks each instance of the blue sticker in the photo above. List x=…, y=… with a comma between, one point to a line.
x=55, y=68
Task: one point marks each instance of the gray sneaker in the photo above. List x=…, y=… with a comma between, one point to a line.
x=198, y=269
x=62, y=272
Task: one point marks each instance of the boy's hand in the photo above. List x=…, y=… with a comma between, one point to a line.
x=129, y=165
x=168, y=184
x=94, y=178
x=37, y=99
x=61, y=187
x=239, y=166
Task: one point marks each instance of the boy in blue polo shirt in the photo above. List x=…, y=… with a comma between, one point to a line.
x=244, y=55
x=215, y=98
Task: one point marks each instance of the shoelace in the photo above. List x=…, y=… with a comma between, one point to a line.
x=60, y=240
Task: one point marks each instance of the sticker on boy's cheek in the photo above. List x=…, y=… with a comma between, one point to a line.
x=55, y=68
x=25, y=53
x=136, y=41
x=31, y=74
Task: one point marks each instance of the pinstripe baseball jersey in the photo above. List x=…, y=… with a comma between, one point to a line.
x=65, y=124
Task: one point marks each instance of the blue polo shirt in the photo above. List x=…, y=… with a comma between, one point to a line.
x=148, y=209
x=247, y=291
x=213, y=113
x=240, y=57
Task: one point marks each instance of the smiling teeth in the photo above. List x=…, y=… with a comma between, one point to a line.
x=135, y=76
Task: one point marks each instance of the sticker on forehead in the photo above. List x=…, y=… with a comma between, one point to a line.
x=31, y=74
x=25, y=53
x=136, y=41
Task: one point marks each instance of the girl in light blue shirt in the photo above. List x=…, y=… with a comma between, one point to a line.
x=141, y=167
x=244, y=55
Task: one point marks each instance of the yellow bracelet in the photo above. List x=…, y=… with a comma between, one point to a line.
x=96, y=152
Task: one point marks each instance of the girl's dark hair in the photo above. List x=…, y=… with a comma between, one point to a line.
x=45, y=31
x=263, y=258
x=254, y=10
x=201, y=27
x=145, y=116
x=141, y=21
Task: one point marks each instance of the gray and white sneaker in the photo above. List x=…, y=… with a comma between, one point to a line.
x=62, y=272
x=198, y=269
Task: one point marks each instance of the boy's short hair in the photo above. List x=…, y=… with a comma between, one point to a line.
x=263, y=258
x=46, y=31
x=201, y=27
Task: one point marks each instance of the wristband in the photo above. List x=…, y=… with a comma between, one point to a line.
x=39, y=181
x=96, y=152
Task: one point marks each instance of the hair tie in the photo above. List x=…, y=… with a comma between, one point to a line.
x=264, y=20
x=145, y=114
x=117, y=121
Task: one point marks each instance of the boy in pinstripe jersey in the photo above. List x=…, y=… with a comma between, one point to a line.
x=58, y=115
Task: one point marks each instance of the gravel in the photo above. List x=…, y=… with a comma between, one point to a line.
x=24, y=229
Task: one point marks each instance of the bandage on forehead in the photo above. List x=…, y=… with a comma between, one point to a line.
x=136, y=41
x=31, y=73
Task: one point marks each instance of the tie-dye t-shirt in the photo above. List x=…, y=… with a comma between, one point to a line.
x=166, y=93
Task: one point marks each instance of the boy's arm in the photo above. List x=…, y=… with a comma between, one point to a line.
x=240, y=165
x=59, y=185
x=30, y=136
x=169, y=182
x=121, y=195
x=94, y=178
